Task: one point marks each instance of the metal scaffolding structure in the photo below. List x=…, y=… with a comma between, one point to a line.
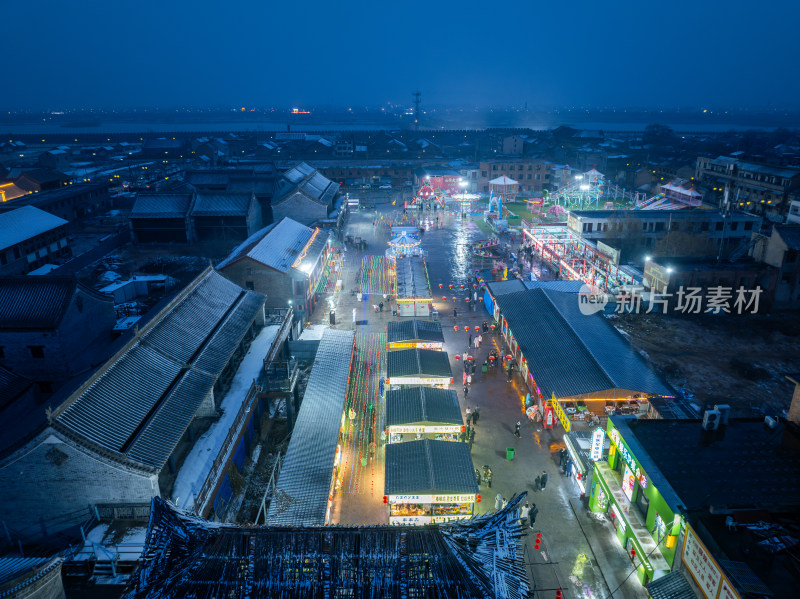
x=576, y=259
x=186, y=556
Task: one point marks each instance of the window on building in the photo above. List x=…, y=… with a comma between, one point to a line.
x=484, y=174
x=644, y=226
x=718, y=226
x=589, y=227
x=748, y=226
x=734, y=226
x=659, y=226
x=37, y=351
x=538, y=177
x=494, y=167
x=529, y=177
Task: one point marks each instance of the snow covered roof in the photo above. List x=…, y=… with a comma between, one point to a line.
x=308, y=181
x=503, y=180
x=23, y=223
x=277, y=246
x=301, y=495
x=139, y=405
x=186, y=556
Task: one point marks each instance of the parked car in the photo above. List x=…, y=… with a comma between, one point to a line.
x=385, y=187
x=367, y=186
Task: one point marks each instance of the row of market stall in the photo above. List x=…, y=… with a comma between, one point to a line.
x=429, y=475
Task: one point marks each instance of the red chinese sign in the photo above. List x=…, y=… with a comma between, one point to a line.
x=705, y=570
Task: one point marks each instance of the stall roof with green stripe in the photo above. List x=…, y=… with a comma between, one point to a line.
x=420, y=404
x=428, y=467
x=418, y=363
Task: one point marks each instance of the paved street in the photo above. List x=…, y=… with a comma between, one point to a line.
x=579, y=553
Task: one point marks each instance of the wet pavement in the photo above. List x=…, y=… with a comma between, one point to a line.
x=579, y=552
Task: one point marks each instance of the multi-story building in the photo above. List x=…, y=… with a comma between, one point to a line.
x=304, y=194
x=692, y=232
x=532, y=175
x=396, y=174
x=758, y=188
x=30, y=238
x=70, y=202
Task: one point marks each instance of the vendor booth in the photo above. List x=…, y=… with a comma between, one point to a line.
x=418, y=367
x=414, y=297
x=429, y=482
x=415, y=413
x=419, y=334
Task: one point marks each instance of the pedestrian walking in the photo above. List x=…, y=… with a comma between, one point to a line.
x=489, y=477
x=470, y=341
x=469, y=380
x=523, y=513
x=468, y=413
x=532, y=515
x=516, y=429
x=498, y=502
x=536, y=483
x=471, y=438
x=544, y=479
x=473, y=366
x=380, y=307
x=466, y=391
x=455, y=313
x=478, y=477
x=477, y=343
x=475, y=415
x=464, y=378
x=480, y=340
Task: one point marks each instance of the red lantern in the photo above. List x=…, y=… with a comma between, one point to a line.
x=491, y=358
x=455, y=327
x=450, y=286
x=480, y=299
x=458, y=357
x=466, y=299
x=477, y=328
x=462, y=287
x=444, y=298
x=385, y=499
x=478, y=498
x=469, y=358
x=492, y=326
x=454, y=299
x=508, y=357
x=440, y=285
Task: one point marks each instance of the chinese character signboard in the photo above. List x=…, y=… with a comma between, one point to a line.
x=657, y=276
x=598, y=436
x=705, y=570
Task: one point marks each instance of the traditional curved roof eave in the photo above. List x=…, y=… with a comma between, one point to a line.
x=101, y=454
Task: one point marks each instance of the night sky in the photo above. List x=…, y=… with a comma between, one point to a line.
x=170, y=53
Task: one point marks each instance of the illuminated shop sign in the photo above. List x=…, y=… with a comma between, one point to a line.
x=598, y=436
x=628, y=459
x=425, y=429
x=432, y=498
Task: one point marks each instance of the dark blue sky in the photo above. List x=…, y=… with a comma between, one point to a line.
x=168, y=53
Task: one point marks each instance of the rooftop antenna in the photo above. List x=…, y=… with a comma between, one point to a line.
x=417, y=96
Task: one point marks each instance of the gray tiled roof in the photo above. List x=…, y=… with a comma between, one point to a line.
x=671, y=586
x=790, y=235
x=414, y=405
x=425, y=467
x=276, y=246
x=141, y=404
x=412, y=278
x=569, y=353
x=301, y=497
x=161, y=205
x=23, y=223
x=223, y=203
x=37, y=302
x=11, y=386
x=309, y=182
x=417, y=362
x=414, y=330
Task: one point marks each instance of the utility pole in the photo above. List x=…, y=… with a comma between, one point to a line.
x=417, y=96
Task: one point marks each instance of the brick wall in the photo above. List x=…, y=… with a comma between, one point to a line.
x=277, y=287
x=52, y=484
x=298, y=207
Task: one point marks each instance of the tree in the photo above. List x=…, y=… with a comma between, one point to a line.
x=659, y=135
